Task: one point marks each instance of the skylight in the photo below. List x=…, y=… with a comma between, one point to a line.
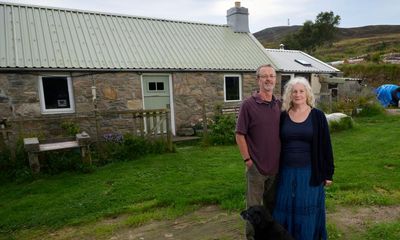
x=303, y=62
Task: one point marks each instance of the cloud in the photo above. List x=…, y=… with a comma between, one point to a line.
x=263, y=13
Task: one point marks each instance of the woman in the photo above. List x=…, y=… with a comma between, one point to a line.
x=306, y=164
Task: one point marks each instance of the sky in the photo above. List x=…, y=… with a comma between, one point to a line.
x=262, y=13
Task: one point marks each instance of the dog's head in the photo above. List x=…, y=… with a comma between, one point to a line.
x=256, y=215
x=264, y=225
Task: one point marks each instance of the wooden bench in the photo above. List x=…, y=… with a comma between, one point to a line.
x=34, y=147
x=231, y=110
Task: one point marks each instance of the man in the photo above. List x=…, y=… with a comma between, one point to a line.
x=257, y=136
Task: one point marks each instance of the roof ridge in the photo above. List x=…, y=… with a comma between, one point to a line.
x=108, y=14
x=282, y=50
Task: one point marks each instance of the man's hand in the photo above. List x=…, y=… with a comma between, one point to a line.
x=249, y=163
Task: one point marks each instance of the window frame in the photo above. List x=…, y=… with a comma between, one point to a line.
x=43, y=108
x=283, y=85
x=156, y=86
x=240, y=87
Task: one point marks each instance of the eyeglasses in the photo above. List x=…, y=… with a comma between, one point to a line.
x=266, y=76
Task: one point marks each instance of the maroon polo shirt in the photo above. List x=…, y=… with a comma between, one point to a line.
x=258, y=121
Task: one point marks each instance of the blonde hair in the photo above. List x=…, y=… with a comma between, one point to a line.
x=287, y=103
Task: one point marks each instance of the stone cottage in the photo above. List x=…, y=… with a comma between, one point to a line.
x=64, y=63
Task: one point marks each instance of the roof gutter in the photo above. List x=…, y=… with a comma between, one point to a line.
x=5, y=70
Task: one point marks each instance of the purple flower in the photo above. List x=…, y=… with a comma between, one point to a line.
x=113, y=137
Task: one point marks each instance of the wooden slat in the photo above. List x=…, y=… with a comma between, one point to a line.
x=58, y=146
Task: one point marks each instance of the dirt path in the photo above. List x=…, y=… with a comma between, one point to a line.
x=356, y=220
x=207, y=223
x=211, y=222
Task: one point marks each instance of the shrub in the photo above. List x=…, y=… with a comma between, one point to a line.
x=373, y=74
x=5, y=162
x=371, y=109
x=343, y=124
x=55, y=162
x=70, y=128
x=116, y=147
x=14, y=168
x=363, y=103
x=223, y=130
x=324, y=106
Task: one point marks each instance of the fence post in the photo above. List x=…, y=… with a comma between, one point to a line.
x=169, y=137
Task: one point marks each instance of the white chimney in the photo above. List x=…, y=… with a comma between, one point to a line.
x=238, y=18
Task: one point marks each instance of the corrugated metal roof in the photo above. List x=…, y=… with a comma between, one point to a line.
x=47, y=38
x=291, y=61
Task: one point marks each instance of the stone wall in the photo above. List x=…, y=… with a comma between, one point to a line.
x=20, y=101
x=115, y=91
x=19, y=95
x=193, y=89
x=19, y=98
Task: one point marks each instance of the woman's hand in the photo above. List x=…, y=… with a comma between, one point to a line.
x=328, y=182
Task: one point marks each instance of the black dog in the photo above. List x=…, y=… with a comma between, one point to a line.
x=265, y=226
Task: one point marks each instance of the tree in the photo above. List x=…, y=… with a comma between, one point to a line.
x=325, y=27
x=312, y=35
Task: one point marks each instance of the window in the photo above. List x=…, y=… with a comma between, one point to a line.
x=56, y=95
x=285, y=79
x=156, y=86
x=232, y=88
x=333, y=88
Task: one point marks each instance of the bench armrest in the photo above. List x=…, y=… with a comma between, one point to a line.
x=31, y=144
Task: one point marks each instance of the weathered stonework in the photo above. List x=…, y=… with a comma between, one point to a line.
x=134, y=104
x=110, y=93
x=192, y=91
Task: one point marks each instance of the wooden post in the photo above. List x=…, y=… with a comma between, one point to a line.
x=142, y=119
x=3, y=138
x=148, y=125
x=161, y=118
x=169, y=137
x=83, y=140
x=31, y=145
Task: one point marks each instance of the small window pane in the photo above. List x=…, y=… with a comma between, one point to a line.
x=160, y=86
x=55, y=90
x=232, y=88
x=152, y=86
x=284, y=79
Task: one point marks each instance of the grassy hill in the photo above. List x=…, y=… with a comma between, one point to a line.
x=370, y=42
x=274, y=35
x=351, y=42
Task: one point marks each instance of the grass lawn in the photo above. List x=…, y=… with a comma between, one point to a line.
x=169, y=185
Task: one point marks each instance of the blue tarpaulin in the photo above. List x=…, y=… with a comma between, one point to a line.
x=388, y=94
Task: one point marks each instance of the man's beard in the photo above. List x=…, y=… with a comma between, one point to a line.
x=268, y=87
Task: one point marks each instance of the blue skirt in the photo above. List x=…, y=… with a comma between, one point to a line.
x=299, y=207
